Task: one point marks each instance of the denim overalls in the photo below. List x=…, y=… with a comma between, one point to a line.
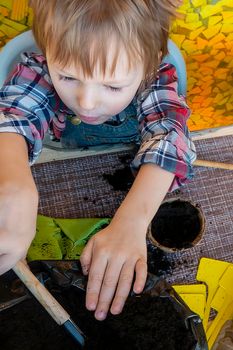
x=112, y=132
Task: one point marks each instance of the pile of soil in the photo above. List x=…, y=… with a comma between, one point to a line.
x=158, y=261
x=121, y=180
x=176, y=224
x=144, y=324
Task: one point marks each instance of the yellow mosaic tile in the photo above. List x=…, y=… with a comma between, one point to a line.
x=15, y=18
x=208, y=51
x=205, y=36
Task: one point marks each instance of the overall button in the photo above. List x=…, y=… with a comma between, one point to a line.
x=75, y=120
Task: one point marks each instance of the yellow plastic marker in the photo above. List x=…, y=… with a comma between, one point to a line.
x=226, y=310
x=194, y=295
x=210, y=271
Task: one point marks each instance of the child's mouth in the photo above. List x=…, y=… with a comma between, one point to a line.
x=88, y=119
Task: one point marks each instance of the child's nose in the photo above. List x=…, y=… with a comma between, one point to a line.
x=87, y=99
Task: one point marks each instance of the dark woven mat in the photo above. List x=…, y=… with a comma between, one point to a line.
x=76, y=188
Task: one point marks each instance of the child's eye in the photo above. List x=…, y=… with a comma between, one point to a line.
x=115, y=89
x=62, y=77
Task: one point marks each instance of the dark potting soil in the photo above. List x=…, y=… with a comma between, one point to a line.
x=158, y=262
x=144, y=324
x=176, y=224
x=121, y=179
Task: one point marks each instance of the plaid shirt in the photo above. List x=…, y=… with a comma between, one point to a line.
x=29, y=105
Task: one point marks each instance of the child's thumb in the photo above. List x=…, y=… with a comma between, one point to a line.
x=85, y=258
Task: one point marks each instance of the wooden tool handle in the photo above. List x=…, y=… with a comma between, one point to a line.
x=41, y=293
x=210, y=164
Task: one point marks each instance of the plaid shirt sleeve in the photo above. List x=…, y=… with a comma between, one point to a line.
x=165, y=139
x=28, y=102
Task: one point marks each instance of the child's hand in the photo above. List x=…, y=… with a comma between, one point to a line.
x=110, y=258
x=18, y=209
x=113, y=255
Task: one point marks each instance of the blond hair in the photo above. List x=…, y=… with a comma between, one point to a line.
x=81, y=31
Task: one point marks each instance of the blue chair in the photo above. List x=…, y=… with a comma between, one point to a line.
x=175, y=57
x=10, y=56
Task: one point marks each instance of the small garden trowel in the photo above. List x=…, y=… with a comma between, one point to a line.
x=48, y=302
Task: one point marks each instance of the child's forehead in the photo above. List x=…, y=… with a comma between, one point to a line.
x=120, y=75
x=124, y=66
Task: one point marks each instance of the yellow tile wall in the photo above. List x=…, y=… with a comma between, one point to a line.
x=15, y=18
x=204, y=33
x=205, y=37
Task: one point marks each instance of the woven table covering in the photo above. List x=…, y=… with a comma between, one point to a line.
x=76, y=188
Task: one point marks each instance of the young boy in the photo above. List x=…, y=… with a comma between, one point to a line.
x=99, y=58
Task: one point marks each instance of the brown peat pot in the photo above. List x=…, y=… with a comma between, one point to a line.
x=178, y=225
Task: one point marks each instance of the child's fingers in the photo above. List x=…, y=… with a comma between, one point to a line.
x=108, y=289
x=10, y=255
x=7, y=261
x=123, y=289
x=141, y=275
x=95, y=278
x=86, y=256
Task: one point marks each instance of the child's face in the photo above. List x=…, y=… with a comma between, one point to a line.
x=98, y=98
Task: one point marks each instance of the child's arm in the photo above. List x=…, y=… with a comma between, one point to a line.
x=18, y=201
x=164, y=161
x=165, y=138
x=28, y=102
x=114, y=254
